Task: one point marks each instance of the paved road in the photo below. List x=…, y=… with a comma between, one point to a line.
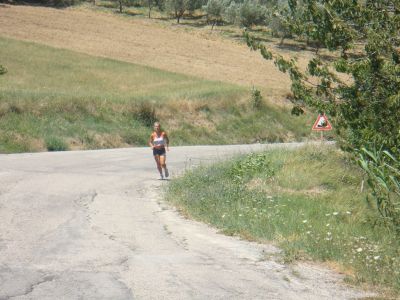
x=92, y=225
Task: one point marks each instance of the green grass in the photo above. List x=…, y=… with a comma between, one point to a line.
x=307, y=201
x=90, y=102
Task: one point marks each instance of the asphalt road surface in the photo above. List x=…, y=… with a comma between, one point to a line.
x=92, y=225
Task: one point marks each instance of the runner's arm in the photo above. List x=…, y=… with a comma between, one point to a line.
x=151, y=142
x=166, y=141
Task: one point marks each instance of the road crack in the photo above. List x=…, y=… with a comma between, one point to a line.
x=32, y=287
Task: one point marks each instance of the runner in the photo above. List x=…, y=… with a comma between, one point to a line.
x=159, y=142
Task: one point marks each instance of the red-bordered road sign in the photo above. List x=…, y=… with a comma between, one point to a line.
x=322, y=123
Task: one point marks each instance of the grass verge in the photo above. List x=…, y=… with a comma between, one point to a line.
x=307, y=201
x=54, y=99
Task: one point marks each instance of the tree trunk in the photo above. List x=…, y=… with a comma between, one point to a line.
x=120, y=6
x=149, y=1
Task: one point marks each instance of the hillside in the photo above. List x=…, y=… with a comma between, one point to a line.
x=198, y=53
x=83, y=79
x=57, y=99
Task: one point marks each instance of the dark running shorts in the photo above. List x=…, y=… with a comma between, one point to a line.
x=160, y=151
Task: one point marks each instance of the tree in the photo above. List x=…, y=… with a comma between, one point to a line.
x=160, y=4
x=214, y=10
x=231, y=13
x=120, y=5
x=150, y=4
x=360, y=85
x=251, y=13
x=177, y=7
x=192, y=5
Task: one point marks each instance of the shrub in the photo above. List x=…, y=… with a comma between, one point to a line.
x=214, y=10
x=55, y=144
x=3, y=70
x=146, y=114
x=256, y=99
x=383, y=172
x=63, y=3
x=252, y=13
x=231, y=13
x=251, y=165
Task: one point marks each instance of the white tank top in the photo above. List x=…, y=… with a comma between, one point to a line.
x=158, y=141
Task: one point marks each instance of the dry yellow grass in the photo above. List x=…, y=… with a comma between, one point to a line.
x=145, y=42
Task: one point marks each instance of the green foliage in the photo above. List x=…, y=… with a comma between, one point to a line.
x=3, y=70
x=383, y=171
x=177, y=8
x=246, y=14
x=55, y=144
x=214, y=10
x=364, y=107
x=251, y=166
x=252, y=13
x=231, y=13
x=360, y=89
x=192, y=5
x=64, y=3
x=256, y=99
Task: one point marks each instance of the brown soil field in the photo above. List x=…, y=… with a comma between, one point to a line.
x=165, y=46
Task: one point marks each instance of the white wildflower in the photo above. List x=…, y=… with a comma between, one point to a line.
x=359, y=249
x=335, y=213
x=305, y=221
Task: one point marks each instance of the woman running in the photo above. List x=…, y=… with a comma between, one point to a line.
x=159, y=142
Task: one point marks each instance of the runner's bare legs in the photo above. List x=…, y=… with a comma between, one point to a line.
x=157, y=158
x=163, y=165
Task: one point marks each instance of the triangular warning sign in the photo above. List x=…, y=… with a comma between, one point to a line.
x=322, y=123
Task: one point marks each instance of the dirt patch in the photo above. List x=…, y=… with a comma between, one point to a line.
x=145, y=42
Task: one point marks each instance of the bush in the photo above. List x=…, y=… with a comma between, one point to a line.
x=3, y=70
x=256, y=99
x=214, y=10
x=231, y=13
x=383, y=171
x=252, y=13
x=62, y=3
x=251, y=165
x=146, y=114
x=55, y=144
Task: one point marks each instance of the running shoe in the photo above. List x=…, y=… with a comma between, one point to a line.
x=166, y=173
x=161, y=176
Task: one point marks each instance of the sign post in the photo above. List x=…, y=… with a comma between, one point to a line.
x=322, y=124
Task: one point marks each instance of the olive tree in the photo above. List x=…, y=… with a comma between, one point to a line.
x=177, y=8
x=214, y=10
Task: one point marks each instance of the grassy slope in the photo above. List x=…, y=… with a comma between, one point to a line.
x=307, y=201
x=54, y=97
